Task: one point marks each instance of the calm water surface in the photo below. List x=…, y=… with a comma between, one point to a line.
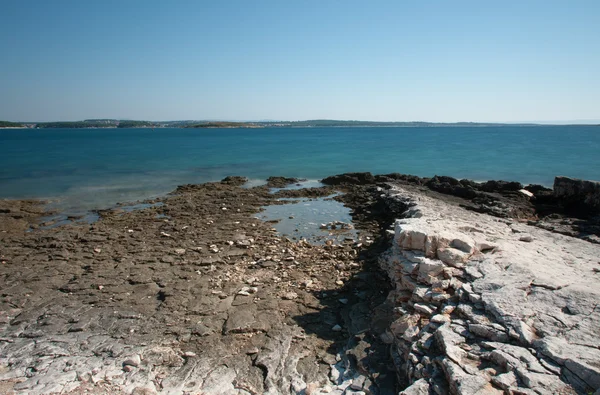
x=90, y=168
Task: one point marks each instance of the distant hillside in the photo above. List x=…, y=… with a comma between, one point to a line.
x=125, y=123
x=97, y=123
x=137, y=124
x=225, y=125
x=6, y=124
x=338, y=123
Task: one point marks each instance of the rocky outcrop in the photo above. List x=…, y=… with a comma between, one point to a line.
x=281, y=182
x=234, y=180
x=350, y=178
x=578, y=196
x=451, y=186
x=488, y=306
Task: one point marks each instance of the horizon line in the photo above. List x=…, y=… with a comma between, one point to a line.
x=537, y=122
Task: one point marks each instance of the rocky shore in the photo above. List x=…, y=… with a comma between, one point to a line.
x=450, y=287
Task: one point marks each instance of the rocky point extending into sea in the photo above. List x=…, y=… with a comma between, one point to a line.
x=449, y=286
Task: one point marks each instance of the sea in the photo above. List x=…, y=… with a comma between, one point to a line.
x=83, y=169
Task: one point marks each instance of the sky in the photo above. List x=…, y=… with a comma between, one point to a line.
x=412, y=60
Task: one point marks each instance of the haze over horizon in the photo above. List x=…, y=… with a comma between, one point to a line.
x=465, y=61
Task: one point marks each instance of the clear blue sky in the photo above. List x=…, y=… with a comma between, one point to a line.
x=291, y=60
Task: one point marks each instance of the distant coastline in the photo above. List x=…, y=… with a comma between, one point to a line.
x=206, y=124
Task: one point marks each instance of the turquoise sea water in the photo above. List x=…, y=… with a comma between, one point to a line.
x=87, y=168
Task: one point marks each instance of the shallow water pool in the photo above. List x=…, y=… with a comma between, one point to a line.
x=303, y=219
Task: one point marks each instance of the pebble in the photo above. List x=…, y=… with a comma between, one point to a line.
x=448, y=309
x=336, y=328
x=290, y=296
x=246, y=291
x=180, y=251
x=440, y=319
x=134, y=360
x=343, y=301
x=335, y=374
x=526, y=238
x=423, y=309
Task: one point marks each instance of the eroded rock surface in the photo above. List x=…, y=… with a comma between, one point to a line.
x=193, y=296
x=481, y=309
x=197, y=295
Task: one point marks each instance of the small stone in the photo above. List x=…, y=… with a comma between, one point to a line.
x=97, y=250
x=343, y=301
x=526, y=238
x=440, y=319
x=189, y=354
x=448, y=309
x=336, y=328
x=411, y=333
x=475, y=298
x=134, y=360
x=339, y=282
x=180, y=251
x=423, y=309
x=100, y=287
x=357, y=383
x=163, y=234
x=290, y=296
x=311, y=389
x=526, y=192
x=334, y=376
x=253, y=350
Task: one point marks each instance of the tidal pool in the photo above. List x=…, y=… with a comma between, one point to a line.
x=303, y=219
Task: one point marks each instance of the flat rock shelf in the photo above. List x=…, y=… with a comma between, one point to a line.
x=443, y=286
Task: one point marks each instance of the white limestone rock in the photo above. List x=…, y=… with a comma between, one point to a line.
x=540, y=292
x=419, y=387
